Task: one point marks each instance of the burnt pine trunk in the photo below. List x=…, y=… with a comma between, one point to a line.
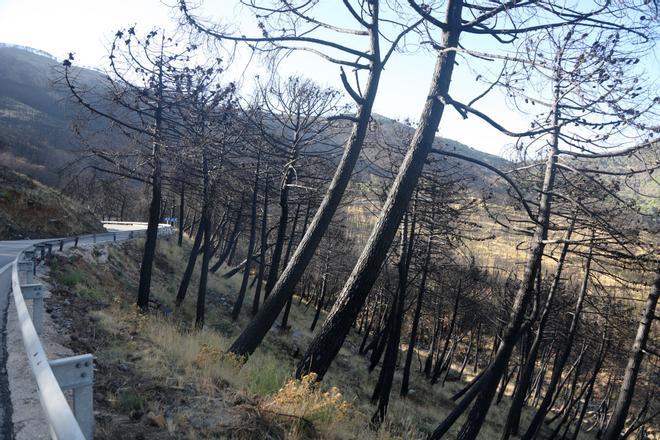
x=281, y=231
x=518, y=400
x=618, y=420
x=231, y=241
x=250, y=250
x=190, y=267
x=325, y=346
x=287, y=309
x=562, y=357
x=206, y=246
x=181, y=211
x=484, y=390
x=264, y=245
x=440, y=364
x=257, y=329
x=475, y=366
x=428, y=364
x=319, y=304
x=405, y=381
x=386, y=377
x=467, y=356
x=146, y=267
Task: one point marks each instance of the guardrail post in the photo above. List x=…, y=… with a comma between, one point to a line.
x=61, y=245
x=28, y=268
x=114, y=237
x=75, y=243
x=50, y=249
x=36, y=294
x=77, y=373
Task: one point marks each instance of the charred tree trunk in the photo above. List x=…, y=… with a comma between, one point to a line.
x=146, y=267
x=281, y=232
x=231, y=241
x=428, y=364
x=327, y=343
x=518, y=400
x=287, y=309
x=206, y=256
x=484, y=391
x=562, y=357
x=254, y=333
x=264, y=246
x=324, y=286
x=476, y=350
x=181, y=211
x=467, y=355
x=386, y=377
x=618, y=420
x=250, y=250
x=440, y=363
x=190, y=267
x=415, y=324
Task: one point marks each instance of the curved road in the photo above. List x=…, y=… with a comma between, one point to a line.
x=8, y=252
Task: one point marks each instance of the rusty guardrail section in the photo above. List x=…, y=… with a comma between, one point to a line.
x=53, y=377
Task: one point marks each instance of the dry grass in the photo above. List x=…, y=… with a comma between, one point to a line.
x=222, y=395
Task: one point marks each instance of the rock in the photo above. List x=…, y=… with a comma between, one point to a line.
x=156, y=420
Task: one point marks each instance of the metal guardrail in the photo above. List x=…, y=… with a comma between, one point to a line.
x=74, y=373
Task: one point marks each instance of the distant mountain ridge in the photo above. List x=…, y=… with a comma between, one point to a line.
x=36, y=137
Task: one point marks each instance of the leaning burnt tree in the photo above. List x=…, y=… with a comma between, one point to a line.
x=576, y=64
x=139, y=98
x=639, y=349
x=378, y=31
x=294, y=122
x=325, y=346
x=210, y=130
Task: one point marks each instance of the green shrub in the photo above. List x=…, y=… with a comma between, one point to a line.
x=88, y=293
x=130, y=402
x=70, y=278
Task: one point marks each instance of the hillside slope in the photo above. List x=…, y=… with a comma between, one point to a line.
x=29, y=209
x=36, y=115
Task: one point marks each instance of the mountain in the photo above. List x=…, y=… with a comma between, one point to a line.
x=36, y=137
x=36, y=115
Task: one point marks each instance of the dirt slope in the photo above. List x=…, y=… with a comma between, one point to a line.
x=29, y=209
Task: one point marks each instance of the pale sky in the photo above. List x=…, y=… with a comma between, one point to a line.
x=85, y=27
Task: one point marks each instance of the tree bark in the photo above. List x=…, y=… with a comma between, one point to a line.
x=485, y=389
x=562, y=357
x=256, y=330
x=415, y=324
x=250, y=250
x=386, y=377
x=146, y=267
x=181, y=211
x=618, y=420
x=512, y=424
x=287, y=309
x=264, y=245
x=325, y=346
x=190, y=267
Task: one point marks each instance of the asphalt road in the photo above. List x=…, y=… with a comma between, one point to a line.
x=8, y=252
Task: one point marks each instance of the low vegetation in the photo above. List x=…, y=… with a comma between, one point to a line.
x=160, y=378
